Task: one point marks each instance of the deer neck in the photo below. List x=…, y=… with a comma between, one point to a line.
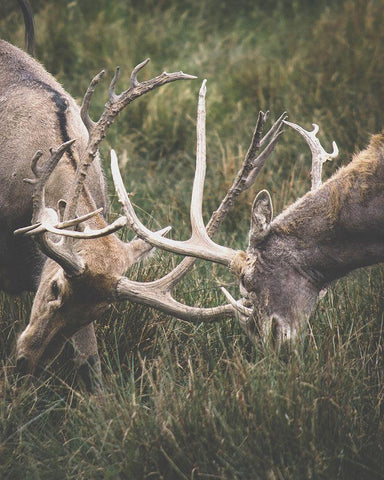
x=340, y=226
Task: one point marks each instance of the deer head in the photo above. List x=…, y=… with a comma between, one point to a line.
x=85, y=258
x=330, y=231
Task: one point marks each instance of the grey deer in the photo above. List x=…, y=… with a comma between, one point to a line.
x=69, y=255
x=335, y=228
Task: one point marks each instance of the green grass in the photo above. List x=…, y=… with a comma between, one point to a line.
x=200, y=401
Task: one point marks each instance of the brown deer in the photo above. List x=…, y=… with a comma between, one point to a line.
x=71, y=274
x=69, y=255
x=335, y=228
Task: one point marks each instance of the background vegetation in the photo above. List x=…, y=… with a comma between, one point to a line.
x=199, y=401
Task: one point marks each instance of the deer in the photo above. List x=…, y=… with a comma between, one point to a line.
x=55, y=238
x=63, y=191
x=289, y=262
x=75, y=262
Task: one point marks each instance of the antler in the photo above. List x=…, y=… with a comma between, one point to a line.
x=157, y=294
x=116, y=103
x=46, y=220
x=319, y=155
x=43, y=216
x=200, y=244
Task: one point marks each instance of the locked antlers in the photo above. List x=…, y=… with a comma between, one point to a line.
x=200, y=244
x=158, y=294
x=47, y=221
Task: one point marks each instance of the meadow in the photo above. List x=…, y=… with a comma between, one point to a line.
x=200, y=401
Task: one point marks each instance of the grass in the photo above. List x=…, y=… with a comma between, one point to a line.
x=203, y=403
x=199, y=401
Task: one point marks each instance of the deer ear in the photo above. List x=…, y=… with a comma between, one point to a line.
x=138, y=249
x=261, y=217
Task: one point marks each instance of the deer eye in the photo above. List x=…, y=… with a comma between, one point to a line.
x=55, y=289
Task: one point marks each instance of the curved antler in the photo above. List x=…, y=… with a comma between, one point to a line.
x=157, y=294
x=46, y=221
x=44, y=216
x=199, y=245
x=115, y=104
x=319, y=155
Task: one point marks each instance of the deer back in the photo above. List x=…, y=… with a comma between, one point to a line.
x=36, y=113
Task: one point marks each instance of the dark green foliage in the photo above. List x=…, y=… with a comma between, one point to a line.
x=199, y=401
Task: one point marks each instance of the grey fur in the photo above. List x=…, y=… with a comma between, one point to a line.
x=326, y=234
x=36, y=113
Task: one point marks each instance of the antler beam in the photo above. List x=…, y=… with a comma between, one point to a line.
x=116, y=103
x=157, y=294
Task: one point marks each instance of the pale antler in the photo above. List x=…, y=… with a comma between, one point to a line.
x=42, y=216
x=319, y=155
x=157, y=294
x=116, y=103
x=199, y=245
x=46, y=220
x=244, y=310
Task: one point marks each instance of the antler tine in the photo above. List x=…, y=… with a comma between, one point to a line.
x=84, y=110
x=196, y=211
x=319, y=155
x=34, y=167
x=42, y=175
x=158, y=293
x=135, y=71
x=275, y=129
x=236, y=304
x=257, y=138
x=41, y=228
x=88, y=233
x=60, y=228
x=257, y=163
x=115, y=104
x=111, y=91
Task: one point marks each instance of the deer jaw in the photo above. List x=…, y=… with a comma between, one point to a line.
x=281, y=294
x=64, y=304
x=58, y=311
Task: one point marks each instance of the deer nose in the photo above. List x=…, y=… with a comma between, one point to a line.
x=22, y=365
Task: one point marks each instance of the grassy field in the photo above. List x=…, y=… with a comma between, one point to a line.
x=189, y=401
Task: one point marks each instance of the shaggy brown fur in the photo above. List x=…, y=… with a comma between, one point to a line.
x=359, y=181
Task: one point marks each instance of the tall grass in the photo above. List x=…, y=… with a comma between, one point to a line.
x=199, y=401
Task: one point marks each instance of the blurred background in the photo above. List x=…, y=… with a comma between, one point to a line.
x=187, y=401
